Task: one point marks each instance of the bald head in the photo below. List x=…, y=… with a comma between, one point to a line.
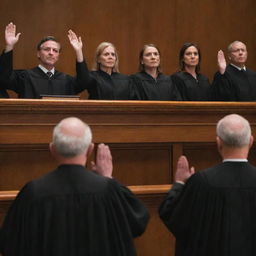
x=71, y=137
x=234, y=131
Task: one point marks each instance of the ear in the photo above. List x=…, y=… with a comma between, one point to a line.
x=52, y=149
x=251, y=141
x=219, y=143
x=89, y=150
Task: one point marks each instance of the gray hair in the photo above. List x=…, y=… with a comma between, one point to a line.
x=230, y=46
x=71, y=145
x=234, y=131
x=99, y=51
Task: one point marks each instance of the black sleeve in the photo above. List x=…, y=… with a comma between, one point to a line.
x=222, y=88
x=9, y=79
x=136, y=213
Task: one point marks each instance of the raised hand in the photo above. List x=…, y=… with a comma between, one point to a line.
x=221, y=61
x=77, y=44
x=10, y=36
x=104, y=165
x=183, y=172
x=75, y=41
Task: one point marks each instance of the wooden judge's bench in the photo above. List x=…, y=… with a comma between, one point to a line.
x=146, y=138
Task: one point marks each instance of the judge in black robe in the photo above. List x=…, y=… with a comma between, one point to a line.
x=235, y=85
x=234, y=82
x=190, y=88
x=213, y=214
x=33, y=83
x=150, y=83
x=73, y=211
x=191, y=84
x=105, y=82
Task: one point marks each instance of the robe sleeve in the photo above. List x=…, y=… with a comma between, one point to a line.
x=222, y=88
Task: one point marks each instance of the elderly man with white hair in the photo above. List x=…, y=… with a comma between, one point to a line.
x=212, y=212
x=234, y=82
x=73, y=211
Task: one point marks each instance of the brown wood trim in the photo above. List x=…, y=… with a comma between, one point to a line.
x=137, y=190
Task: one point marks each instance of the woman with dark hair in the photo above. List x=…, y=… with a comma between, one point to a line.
x=105, y=82
x=192, y=85
x=150, y=83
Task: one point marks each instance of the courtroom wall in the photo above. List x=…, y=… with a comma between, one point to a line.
x=129, y=24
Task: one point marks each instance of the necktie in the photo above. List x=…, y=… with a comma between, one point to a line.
x=49, y=74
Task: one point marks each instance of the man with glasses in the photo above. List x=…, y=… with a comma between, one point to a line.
x=43, y=79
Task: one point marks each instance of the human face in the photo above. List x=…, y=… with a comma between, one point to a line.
x=107, y=59
x=49, y=54
x=191, y=57
x=238, y=54
x=150, y=58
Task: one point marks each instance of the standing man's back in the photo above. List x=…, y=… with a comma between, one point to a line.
x=73, y=211
x=213, y=214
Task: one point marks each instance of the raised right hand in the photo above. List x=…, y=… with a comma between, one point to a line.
x=10, y=36
x=221, y=62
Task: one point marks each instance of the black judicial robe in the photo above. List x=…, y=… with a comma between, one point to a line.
x=235, y=85
x=102, y=86
x=214, y=213
x=147, y=88
x=34, y=82
x=73, y=212
x=192, y=89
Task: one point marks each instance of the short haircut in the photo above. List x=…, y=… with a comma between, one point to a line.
x=234, y=131
x=181, y=56
x=45, y=39
x=230, y=46
x=145, y=46
x=99, y=51
x=70, y=146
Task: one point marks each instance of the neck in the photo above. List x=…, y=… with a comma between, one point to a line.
x=48, y=67
x=107, y=70
x=152, y=71
x=240, y=65
x=73, y=160
x=191, y=70
x=238, y=153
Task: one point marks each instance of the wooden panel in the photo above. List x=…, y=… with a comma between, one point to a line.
x=146, y=139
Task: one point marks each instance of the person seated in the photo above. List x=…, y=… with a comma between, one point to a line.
x=150, y=83
x=192, y=85
x=43, y=79
x=105, y=82
x=234, y=82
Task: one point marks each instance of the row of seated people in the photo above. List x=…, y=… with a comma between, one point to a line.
x=75, y=211
x=233, y=82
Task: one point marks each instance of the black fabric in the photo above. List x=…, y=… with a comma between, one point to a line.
x=235, y=85
x=147, y=88
x=192, y=89
x=34, y=82
x=74, y=212
x=214, y=213
x=3, y=92
x=100, y=85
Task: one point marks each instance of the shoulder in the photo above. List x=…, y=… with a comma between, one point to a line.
x=202, y=77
